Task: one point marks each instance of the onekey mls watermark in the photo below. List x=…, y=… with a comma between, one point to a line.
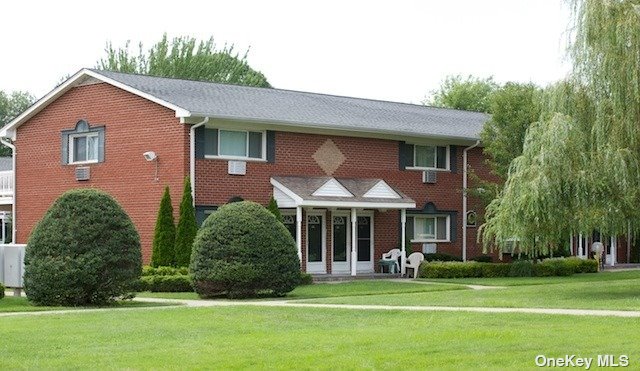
x=573, y=360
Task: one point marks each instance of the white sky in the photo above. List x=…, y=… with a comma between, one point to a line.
x=395, y=50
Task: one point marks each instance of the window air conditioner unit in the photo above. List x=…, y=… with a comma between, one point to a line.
x=83, y=173
x=237, y=168
x=429, y=176
x=429, y=248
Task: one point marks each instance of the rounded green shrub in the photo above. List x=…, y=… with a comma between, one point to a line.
x=1, y=291
x=84, y=251
x=242, y=250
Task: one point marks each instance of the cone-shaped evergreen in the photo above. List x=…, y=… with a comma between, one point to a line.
x=164, y=237
x=273, y=207
x=187, y=227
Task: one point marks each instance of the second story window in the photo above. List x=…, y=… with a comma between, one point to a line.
x=240, y=144
x=431, y=157
x=83, y=145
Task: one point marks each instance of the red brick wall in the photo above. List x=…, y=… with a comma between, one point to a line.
x=135, y=125
x=365, y=158
x=132, y=126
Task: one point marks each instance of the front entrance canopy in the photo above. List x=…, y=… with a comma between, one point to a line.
x=338, y=193
x=344, y=193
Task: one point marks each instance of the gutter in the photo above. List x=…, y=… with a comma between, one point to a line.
x=464, y=198
x=192, y=157
x=13, y=199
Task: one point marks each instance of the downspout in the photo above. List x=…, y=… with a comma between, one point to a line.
x=13, y=199
x=192, y=157
x=464, y=199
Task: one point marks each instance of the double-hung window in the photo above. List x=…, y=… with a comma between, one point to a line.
x=83, y=144
x=431, y=157
x=431, y=228
x=83, y=147
x=234, y=144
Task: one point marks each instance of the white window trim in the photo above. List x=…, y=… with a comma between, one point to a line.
x=448, y=231
x=72, y=148
x=421, y=168
x=263, y=155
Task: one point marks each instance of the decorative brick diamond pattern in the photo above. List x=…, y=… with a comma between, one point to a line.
x=329, y=157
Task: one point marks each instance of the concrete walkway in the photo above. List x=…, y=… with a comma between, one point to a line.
x=180, y=303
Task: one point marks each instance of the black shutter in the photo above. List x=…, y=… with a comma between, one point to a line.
x=405, y=155
x=453, y=159
x=409, y=229
x=453, y=226
x=271, y=146
x=200, y=142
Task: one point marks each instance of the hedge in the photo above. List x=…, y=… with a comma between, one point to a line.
x=523, y=268
x=165, y=283
x=164, y=271
x=441, y=257
x=1, y=291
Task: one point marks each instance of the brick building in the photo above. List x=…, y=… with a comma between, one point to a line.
x=347, y=173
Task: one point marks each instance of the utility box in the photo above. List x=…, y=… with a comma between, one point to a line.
x=12, y=265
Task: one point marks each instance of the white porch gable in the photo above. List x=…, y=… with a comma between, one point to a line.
x=332, y=188
x=381, y=190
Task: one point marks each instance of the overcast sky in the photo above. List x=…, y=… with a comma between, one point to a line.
x=392, y=50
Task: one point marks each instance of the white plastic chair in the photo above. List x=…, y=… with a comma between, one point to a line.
x=393, y=255
x=413, y=261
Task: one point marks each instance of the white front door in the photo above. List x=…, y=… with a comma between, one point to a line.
x=341, y=242
x=365, y=242
x=316, y=244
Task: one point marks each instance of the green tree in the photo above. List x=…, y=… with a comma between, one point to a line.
x=579, y=170
x=273, y=207
x=11, y=105
x=514, y=107
x=186, y=58
x=470, y=93
x=187, y=227
x=164, y=237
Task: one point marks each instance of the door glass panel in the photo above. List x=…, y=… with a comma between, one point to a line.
x=364, y=238
x=314, y=238
x=289, y=221
x=339, y=239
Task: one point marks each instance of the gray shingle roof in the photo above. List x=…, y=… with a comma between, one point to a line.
x=306, y=109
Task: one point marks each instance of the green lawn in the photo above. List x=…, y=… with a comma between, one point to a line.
x=526, y=281
x=615, y=290
x=21, y=304
x=298, y=338
x=324, y=290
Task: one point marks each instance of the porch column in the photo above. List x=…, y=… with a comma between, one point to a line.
x=299, y=232
x=403, y=242
x=354, y=241
x=614, y=250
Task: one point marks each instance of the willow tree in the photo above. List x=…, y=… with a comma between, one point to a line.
x=578, y=171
